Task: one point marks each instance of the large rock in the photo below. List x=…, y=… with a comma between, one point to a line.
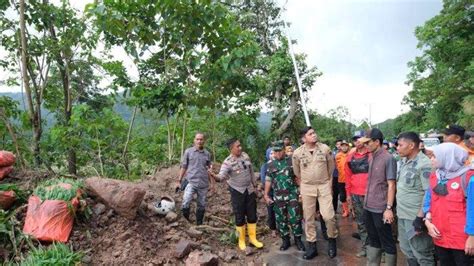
x=200, y=258
x=182, y=249
x=124, y=197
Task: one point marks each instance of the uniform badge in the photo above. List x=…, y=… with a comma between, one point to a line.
x=455, y=185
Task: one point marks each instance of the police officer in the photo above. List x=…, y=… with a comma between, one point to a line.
x=237, y=169
x=313, y=165
x=281, y=179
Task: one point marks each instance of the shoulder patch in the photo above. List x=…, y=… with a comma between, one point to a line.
x=426, y=172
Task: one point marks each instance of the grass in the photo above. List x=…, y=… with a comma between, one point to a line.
x=55, y=254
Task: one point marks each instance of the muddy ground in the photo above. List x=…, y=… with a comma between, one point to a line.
x=107, y=238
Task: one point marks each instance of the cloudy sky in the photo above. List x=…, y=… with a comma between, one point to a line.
x=362, y=47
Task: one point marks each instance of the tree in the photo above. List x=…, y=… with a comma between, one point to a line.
x=279, y=86
x=56, y=62
x=70, y=45
x=8, y=111
x=443, y=75
x=187, y=54
x=37, y=94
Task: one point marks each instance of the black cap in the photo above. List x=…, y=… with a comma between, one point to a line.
x=344, y=142
x=454, y=130
x=356, y=137
x=468, y=134
x=375, y=133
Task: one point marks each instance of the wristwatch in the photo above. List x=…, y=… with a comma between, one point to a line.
x=389, y=207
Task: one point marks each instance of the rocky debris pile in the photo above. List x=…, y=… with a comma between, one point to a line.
x=113, y=237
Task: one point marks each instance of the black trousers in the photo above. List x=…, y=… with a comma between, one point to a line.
x=271, y=222
x=342, y=191
x=380, y=233
x=335, y=193
x=448, y=257
x=244, y=206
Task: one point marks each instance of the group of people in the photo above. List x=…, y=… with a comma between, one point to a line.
x=426, y=195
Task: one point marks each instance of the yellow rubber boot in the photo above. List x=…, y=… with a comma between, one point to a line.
x=252, y=228
x=241, y=235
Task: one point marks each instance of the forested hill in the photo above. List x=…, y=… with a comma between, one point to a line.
x=264, y=119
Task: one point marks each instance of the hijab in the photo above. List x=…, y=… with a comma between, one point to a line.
x=450, y=158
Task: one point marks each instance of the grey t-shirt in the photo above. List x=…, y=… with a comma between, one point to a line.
x=196, y=162
x=412, y=182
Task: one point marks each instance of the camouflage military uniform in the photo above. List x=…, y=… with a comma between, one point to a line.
x=285, y=194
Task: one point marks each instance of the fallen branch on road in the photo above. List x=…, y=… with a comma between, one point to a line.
x=219, y=219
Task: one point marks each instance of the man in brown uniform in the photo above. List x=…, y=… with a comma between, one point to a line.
x=313, y=165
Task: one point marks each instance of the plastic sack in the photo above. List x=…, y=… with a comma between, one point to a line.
x=50, y=220
x=4, y=171
x=7, y=158
x=7, y=198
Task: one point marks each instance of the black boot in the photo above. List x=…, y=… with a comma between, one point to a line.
x=311, y=251
x=199, y=216
x=299, y=244
x=332, y=249
x=285, y=243
x=185, y=212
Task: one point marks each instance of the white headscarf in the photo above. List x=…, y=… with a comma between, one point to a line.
x=450, y=158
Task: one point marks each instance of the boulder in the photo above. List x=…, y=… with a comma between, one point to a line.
x=182, y=249
x=200, y=258
x=124, y=197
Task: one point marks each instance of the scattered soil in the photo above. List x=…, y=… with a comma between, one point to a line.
x=149, y=239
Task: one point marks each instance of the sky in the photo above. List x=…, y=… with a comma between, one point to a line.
x=362, y=48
